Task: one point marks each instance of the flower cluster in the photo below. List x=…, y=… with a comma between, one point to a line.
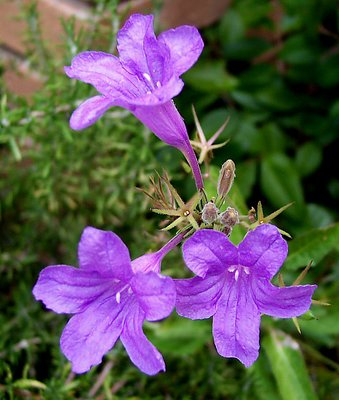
x=111, y=296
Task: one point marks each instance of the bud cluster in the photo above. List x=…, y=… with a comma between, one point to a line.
x=225, y=220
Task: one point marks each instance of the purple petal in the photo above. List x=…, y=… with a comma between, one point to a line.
x=157, y=96
x=197, y=298
x=142, y=54
x=105, y=253
x=158, y=61
x=209, y=251
x=89, y=112
x=65, y=289
x=185, y=45
x=284, y=302
x=155, y=293
x=131, y=41
x=264, y=250
x=88, y=336
x=147, y=262
x=105, y=72
x=140, y=350
x=165, y=122
x=152, y=261
x=236, y=323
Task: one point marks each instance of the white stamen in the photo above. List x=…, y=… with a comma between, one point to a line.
x=146, y=76
x=246, y=270
x=117, y=297
x=232, y=269
x=158, y=84
x=236, y=275
x=129, y=291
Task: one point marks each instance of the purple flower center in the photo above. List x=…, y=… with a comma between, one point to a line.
x=238, y=270
x=125, y=288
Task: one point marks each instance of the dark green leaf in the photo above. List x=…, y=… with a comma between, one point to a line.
x=308, y=158
x=181, y=336
x=211, y=77
x=281, y=184
x=314, y=245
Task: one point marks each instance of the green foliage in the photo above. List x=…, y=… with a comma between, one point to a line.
x=314, y=245
x=279, y=173
x=288, y=367
x=274, y=72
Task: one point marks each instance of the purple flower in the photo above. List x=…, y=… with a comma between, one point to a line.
x=110, y=297
x=144, y=80
x=233, y=286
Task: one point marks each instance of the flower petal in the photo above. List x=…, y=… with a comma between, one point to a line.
x=185, y=45
x=264, y=250
x=209, y=251
x=141, y=53
x=236, y=323
x=158, y=57
x=89, y=112
x=147, y=262
x=105, y=253
x=152, y=261
x=131, y=39
x=105, y=72
x=92, y=333
x=65, y=289
x=140, y=350
x=284, y=302
x=197, y=298
x=165, y=122
x=155, y=293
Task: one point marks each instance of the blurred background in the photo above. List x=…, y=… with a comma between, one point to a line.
x=273, y=68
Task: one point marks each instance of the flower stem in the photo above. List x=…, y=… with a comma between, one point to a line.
x=193, y=162
x=171, y=244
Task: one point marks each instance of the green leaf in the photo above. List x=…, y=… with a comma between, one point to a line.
x=180, y=336
x=231, y=27
x=246, y=175
x=281, y=184
x=308, y=158
x=245, y=49
x=298, y=51
x=314, y=245
x=29, y=383
x=319, y=216
x=288, y=367
x=325, y=329
x=263, y=380
x=15, y=149
x=270, y=139
x=211, y=77
x=212, y=121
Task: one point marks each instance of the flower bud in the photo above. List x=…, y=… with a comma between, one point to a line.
x=209, y=213
x=252, y=215
x=226, y=178
x=229, y=218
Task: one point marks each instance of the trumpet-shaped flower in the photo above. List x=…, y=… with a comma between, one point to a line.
x=233, y=286
x=144, y=79
x=110, y=297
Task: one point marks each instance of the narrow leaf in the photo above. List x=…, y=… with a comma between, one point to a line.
x=288, y=367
